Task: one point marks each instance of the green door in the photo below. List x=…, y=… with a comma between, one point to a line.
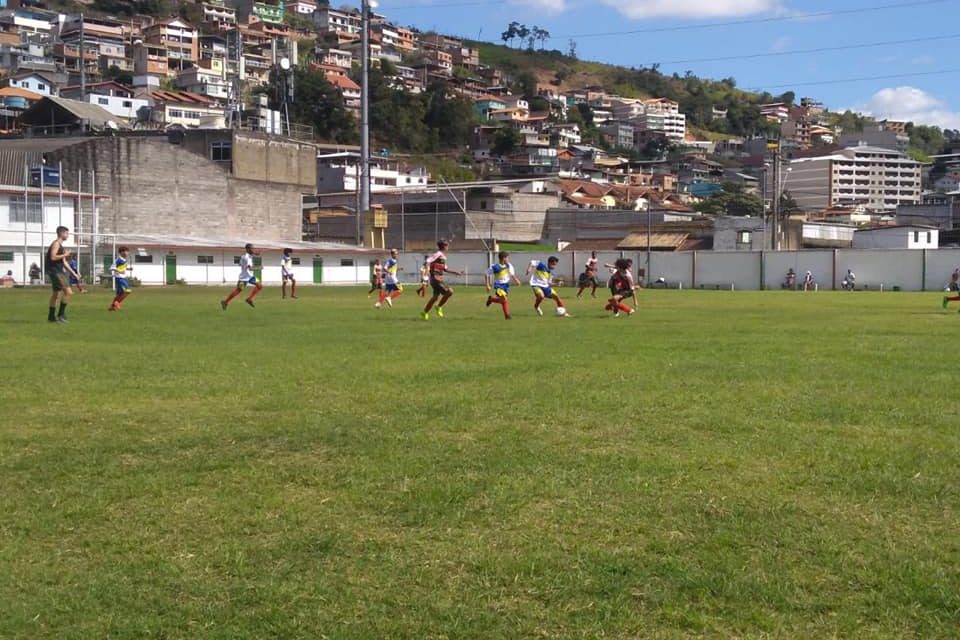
x=171, y=269
x=107, y=263
x=317, y=270
x=258, y=268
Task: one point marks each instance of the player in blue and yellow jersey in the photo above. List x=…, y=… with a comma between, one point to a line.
x=286, y=274
x=542, y=282
x=392, y=287
x=119, y=270
x=497, y=280
x=437, y=263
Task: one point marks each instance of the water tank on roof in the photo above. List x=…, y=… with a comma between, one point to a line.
x=15, y=102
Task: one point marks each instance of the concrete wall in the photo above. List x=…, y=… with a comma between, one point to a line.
x=151, y=186
x=275, y=160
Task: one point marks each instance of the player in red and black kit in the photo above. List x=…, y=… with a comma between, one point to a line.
x=589, y=276
x=622, y=286
x=437, y=266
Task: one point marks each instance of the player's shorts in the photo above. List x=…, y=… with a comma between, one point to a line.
x=252, y=280
x=440, y=288
x=376, y=283
x=501, y=289
x=58, y=281
x=624, y=293
x=121, y=286
x=546, y=292
x=74, y=282
x=390, y=288
x=287, y=276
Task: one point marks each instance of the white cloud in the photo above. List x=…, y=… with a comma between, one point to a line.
x=637, y=9
x=912, y=105
x=550, y=6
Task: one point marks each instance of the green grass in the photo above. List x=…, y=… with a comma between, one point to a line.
x=750, y=465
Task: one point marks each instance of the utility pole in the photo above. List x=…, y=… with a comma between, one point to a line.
x=83, y=67
x=365, y=108
x=775, y=204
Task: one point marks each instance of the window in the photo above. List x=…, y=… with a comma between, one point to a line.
x=483, y=204
x=103, y=101
x=744, y=237
x=346, y=262
x=221, y=151
x=295, y=260
x=916, y=236
x=6, y=256
x=41, y=86
x=929, y=237
x=128, y=104
x=142, y=259
x=175, y=113
x=25, y=212
x=236, y=259
x=204, y=259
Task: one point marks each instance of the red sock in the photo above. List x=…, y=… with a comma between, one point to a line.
x=557, y=299
x=123, y=296
x=256, y=290
x=233, y=294
x=623, y=307
x=293, y=288
x=506, y=308
x=382, y=296
x=395, y=294
x=954, y=299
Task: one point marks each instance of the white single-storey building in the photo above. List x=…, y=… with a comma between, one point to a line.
x=897, y=237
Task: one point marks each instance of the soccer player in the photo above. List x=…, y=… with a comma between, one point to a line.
x=621, y=286
x=392, y=287
x=808, y=281
x=589, y=276
x=286, y=273
x=497, y=280
x=424, y=277
x=246, y=277
x=57, y=256
x=119, y=270
x=542, y=282
x=437, y=265
x=376, y=278
x=73, y=269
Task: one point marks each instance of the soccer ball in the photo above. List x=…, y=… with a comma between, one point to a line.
x=561, y=311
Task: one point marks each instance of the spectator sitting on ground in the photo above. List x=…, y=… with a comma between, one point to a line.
x=7, y=280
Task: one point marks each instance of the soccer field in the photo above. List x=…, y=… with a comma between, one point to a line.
x=720, y=464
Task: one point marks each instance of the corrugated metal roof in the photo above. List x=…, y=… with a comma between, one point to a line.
x=189, y=242
x=91, y=113
x=672, y=241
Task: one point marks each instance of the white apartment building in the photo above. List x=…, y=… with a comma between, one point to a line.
x=339, y=172
x=672, y=125
x=879, y=179
x=336, y=21
x=207, y=82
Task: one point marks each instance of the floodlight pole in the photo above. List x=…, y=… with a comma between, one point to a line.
x=775, y=204
x=364, y=185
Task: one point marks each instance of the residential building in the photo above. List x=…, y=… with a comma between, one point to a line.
x=181, y=39
x=897, y=237
x=348, y=88
x=467, y=57
x=339, y=172
x=150, y=64
x=189, y=110
x=441, y=59
x=302, y=7
x=618, y=134
x=673, y=126
x=110, y=96
x=338, y=21
x=486, y=104
x=406, y=40
x=878, y=135
x=37, y=82
x=950, y=182
x=880, y=179
x=209, y=82
x=217, y=15
x=775, y=111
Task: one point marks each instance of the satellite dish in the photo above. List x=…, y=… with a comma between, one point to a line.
x=285, y=63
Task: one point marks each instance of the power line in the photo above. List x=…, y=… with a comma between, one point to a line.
x=794, y=52
x=892, y=76
x=772, y=19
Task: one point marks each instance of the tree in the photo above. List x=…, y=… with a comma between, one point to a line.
x=505, y=141
x=731, y=200
x=319, y=104
x=788, y=205
x=513, y=30
x=542, y=35
x=117, y=74
x=522, y=32
x=572, y=49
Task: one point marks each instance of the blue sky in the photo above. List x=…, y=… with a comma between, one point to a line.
x=677, y=30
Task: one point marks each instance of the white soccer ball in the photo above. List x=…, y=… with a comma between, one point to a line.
x=561, y=311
